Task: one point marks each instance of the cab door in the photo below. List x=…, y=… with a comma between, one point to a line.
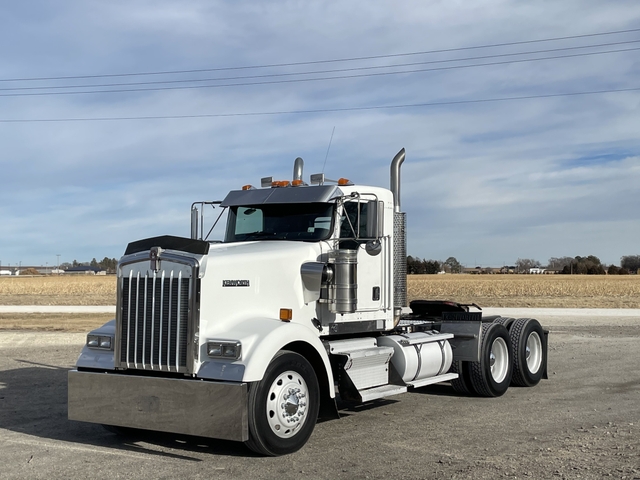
x=371, y=255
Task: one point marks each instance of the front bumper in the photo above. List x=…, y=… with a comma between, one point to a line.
x=191, y=407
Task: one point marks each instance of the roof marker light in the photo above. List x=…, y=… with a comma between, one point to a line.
x=343, y=181
x=280, y=183
x=247, y=187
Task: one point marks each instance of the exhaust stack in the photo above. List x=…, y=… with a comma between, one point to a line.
x=298, y=166
x=399, y=240
x=395, y=178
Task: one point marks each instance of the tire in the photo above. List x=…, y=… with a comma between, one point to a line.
x=529, y=352
x=506, y=321
x=462, y=384
x=283, y=406
x=491, y=376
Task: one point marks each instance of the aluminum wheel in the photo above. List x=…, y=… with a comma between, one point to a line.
x=499, y=359
x=534, y=352
x=287, y=404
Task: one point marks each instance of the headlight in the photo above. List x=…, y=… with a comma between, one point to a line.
x=103, y=342
x=224, y=349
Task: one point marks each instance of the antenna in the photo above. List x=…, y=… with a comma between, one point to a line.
x=328, y=148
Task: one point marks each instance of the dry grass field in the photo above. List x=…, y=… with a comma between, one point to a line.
x=58, y=290
x=536, y=291
x=540, y=291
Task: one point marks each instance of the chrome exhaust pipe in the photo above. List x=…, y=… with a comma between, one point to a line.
x=395, y=178
x=298, y=166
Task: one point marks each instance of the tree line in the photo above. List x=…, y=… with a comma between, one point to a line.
x=107, y=264
x=589, y=265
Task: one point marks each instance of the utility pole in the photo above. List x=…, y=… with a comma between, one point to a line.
x=58, y=264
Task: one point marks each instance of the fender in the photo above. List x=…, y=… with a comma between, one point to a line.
x=262, y=338
x=95, y=358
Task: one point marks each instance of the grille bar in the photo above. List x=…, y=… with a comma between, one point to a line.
x=155, y=318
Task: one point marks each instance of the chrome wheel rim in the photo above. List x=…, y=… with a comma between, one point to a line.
x=287, y=404
x=499, y=360
x=534, y=352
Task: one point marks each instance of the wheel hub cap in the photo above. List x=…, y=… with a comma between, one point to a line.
x=286, y=404
x=499, y=360
x=534, y=352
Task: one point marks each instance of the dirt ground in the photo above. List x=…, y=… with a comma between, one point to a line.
x=584, y=422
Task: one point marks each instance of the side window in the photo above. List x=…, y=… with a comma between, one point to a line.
x=249, y=220
x=349, y=220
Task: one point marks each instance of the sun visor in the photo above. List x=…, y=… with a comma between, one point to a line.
x=319, y=194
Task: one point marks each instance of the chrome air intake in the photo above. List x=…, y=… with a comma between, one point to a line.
x=342, y=289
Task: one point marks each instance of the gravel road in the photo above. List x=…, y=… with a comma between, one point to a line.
x=584, y=422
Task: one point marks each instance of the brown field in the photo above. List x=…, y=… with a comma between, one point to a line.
x=540, y=291
x=58, y=290
x=537, y=291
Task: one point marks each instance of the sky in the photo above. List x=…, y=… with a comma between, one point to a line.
x=509, y=154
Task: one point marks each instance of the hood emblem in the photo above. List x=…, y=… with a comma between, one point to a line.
x=154, y=257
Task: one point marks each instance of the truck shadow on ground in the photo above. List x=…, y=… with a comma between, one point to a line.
x=33, y=402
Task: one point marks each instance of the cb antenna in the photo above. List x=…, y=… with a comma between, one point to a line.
x=328, y=148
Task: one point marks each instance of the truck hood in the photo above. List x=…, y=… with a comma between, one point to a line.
x=257, y=274
x=263, y=251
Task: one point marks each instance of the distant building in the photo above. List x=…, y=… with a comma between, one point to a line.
x=84, y=270
x=537, y=270
x=5, y=272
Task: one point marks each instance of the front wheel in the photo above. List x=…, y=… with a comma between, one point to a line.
x=283, y=406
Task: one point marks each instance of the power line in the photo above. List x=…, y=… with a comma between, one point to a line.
x=321, y=110
x=299, y=80
x=342, y=70
x=316, y=62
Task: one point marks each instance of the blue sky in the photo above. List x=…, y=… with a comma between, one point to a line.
x=486, y=182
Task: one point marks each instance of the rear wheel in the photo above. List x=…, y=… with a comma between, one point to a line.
x=283, y=406
x=529, y=352
x=491, y=376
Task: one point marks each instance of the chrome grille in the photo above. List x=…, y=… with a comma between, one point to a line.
x=154, y=320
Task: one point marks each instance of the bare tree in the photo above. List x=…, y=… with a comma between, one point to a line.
x=558, y=263
x=524, y=264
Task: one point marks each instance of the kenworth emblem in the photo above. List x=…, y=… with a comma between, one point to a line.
x=235, y=283
x=154, y=257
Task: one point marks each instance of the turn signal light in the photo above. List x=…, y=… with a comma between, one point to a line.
x=343, y=181
x=286, y=314
x=280, y=183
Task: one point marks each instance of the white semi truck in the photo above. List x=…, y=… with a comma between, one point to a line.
x=303, y=303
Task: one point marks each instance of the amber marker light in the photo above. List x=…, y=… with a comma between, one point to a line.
x=280, y=183
x=286, y=314
x=247, y=187
x=343, y=181
x=297, y=183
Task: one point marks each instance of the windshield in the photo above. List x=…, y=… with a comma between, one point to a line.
x=290, y=221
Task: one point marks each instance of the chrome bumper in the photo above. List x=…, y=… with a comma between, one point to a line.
x=191, y=407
